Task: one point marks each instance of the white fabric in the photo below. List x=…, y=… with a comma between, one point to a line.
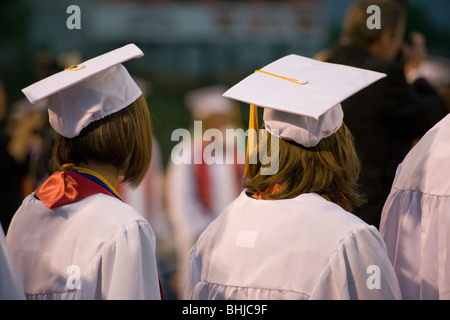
x=148, y=199
x=206, y=101
x=186, y=211
x=105, y=93
x=312, y=103
x=10, y=284
x=88, y=92
x=327, y=85
x=96, y=248
x=303, y=130
x=415, y=222
x=301, y=248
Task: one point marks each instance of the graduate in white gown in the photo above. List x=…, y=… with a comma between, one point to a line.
x=290, y=234
x=197, y=191
x=415, y=222
x=74, y=237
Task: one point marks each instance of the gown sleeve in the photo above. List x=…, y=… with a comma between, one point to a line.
x=129, y=270
x=192, y=276
x=10, y=283
x=359, y=269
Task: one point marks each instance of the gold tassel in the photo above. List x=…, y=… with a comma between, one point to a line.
x=252, y=140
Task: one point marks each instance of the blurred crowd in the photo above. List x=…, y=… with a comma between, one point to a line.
x=387, y=119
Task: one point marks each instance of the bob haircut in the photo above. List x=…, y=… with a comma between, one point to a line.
x=122, y=139
x=330, y=169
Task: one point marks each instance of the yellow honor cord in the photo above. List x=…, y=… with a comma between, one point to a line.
x=70, y=166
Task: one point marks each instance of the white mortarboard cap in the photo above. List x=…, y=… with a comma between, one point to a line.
x=302, y=96
x=87, y=92
x=205, y=101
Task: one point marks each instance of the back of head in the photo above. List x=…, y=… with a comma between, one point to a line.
x=122, y=139
x=355, y=29
x=302, y=116
x=99, y=113
x=331, y=169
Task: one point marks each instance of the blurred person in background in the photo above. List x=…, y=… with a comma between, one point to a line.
x=39, y=144
x=26, y=138
x=436, y=70
x=18, y=132
x=388, y=117
x=197, y=193
x=148, y=199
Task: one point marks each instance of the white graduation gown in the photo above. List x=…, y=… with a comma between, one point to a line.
x=300, y=248
x=187, y=214
x=95, y=248
x=147, y=199
x=415, y=221
x=10, y=284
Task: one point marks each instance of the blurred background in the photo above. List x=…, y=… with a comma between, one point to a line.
x=187, y=44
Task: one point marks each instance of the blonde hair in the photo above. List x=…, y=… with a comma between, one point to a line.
x=355, y=30
x=330, y=169
x=122, y=139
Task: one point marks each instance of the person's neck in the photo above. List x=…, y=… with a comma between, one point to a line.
x=107, y=171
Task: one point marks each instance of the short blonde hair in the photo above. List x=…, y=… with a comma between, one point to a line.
x=122, y=139
x=329, y=169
